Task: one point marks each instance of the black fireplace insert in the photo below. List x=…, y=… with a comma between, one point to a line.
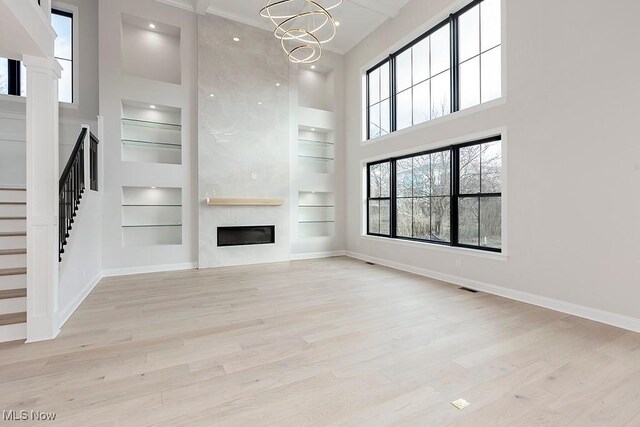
x=246, y=235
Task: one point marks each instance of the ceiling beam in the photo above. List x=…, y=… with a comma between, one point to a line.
x=256, y=21
x=381, y=9
x=182, y=4
x=200, y=6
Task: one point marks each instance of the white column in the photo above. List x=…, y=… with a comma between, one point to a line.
x=46, y=6
x=100, y=154
x=42, y=197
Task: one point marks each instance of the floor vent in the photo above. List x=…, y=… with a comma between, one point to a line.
x=473, y=291
x=370, y=263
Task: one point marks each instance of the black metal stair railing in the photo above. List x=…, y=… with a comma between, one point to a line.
x=93, y=162
x=72, y=185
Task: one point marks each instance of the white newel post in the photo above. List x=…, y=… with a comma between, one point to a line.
x=42, y=197
x=100, y=154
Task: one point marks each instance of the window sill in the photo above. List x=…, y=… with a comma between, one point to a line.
x=435, y=122
x=431, y=246
x=23, y=100
x=69, y=105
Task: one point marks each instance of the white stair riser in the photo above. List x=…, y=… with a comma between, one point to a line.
x=13, y=332
x=13, y=210
x=13, y=225
x=13, y=261
x=13, y=305
x=18, y=281
x=13, y=196
x=13, y=242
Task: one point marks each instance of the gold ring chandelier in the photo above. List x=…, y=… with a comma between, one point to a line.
x=302, y=26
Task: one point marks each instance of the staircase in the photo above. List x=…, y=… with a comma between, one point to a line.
x=13, y=261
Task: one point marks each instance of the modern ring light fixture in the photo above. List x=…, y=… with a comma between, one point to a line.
x=302, y=26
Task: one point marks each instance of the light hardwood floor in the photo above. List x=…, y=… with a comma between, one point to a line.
x=324, y=342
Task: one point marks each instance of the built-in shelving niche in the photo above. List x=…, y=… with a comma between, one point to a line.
x=316, y=214
x=151, y=135
x=151, y=216
x=316, y=153
x=151, y=53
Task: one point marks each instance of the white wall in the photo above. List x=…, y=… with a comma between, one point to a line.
x=243, y=138
x=150, y=54
x=317, y=101
x=72, y=116
x=115, y=86
x=80, y=269
x=572, y=202
x=316, y=88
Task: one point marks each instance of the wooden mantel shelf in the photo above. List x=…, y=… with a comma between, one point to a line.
x=217, y=201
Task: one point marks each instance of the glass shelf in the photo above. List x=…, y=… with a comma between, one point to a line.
x=147, y=143
x=147, y=123
x=315, y=158
x=152, y=226
x=148, y=206
x=317, y=222
x=314, y=142
x=316, y=206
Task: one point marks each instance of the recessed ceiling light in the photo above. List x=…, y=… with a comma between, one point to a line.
x=337, y=23
x=153, y=188
x=313, y=129
x=313, y=67
x=278, y=84
x=212, y=95
x=152, y=26
x=236, y=39
x=153, y=107
x=259, y=102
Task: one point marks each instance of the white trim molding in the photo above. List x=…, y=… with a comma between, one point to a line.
x=148, y=269
x=65, y=314
x=597, y=315
x=317, y=255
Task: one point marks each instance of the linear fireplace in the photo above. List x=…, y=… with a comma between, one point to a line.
x=246, y=235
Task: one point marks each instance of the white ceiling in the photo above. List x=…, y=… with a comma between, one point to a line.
x=358, y=18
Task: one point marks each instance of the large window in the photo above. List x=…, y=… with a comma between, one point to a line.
x=424, y=83
x=450, y=196
x=13, y=75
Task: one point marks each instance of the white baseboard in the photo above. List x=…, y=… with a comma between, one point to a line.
x=317, y=255
x=148, y=269
x=606, y=317
x=64, y=314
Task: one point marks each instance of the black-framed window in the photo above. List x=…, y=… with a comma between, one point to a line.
x=455, y=65
x=379, y=198
x=379, y=100
x=479, y=194
x=450, y=196
x=480, y=54
x=13, y=75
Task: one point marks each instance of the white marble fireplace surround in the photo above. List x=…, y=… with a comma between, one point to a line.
x=243, y=148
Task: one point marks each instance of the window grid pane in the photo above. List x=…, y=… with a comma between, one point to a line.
x=378, y=199
x=378, y=95
x=480, y=57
